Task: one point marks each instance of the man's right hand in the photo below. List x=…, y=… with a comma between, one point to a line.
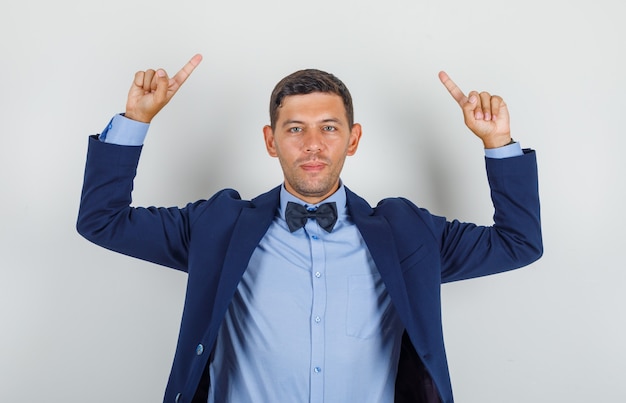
x=152, y=90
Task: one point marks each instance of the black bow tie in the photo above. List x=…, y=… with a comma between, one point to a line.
x=296, y=216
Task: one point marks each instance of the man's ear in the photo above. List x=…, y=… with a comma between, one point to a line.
x=355, y=137
x=268, y=135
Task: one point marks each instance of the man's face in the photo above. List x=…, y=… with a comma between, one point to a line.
x=311, y=140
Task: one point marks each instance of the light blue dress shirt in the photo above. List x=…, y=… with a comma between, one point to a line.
x=311, y=320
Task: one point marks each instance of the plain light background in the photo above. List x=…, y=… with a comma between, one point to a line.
x=82, y=324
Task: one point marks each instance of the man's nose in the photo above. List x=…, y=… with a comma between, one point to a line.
x=313, y=141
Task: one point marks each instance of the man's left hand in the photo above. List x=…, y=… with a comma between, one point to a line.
x=486, y=115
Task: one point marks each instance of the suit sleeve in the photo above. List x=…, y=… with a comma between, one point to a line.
x=515, y=240
x=106, y=218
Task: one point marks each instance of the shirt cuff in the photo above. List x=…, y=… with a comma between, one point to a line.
x=510, y=150
x=124, y=132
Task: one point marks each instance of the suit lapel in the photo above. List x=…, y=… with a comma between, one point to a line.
x=249, y=229
x=379, y=238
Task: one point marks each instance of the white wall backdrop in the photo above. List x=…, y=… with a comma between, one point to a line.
x=82, y=324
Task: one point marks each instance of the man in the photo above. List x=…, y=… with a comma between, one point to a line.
x=283, y=304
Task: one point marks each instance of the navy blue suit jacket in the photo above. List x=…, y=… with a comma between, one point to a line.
x=212, y=240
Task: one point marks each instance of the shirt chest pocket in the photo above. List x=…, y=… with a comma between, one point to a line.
x=368, y=304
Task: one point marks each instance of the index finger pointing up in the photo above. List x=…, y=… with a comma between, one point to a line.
x=187, y=69
x=453, y=89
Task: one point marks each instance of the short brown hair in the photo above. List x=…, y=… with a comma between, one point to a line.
x=306, y=82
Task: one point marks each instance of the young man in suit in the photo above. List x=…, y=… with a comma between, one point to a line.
x=306, y=293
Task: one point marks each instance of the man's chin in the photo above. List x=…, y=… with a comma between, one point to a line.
x=316, y=191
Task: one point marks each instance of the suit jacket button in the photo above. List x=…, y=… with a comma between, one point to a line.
x=199, y=349
x=178, y=395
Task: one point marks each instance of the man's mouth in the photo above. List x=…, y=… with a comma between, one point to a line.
x=313, y=166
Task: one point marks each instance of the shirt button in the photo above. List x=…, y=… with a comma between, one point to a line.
x=315, y=237
x=318, y=319
x=199, y=349
x=317, y=370
x=318, y=274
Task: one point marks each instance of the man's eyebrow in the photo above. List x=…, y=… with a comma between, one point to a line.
x=299, y=122
x=292, y=122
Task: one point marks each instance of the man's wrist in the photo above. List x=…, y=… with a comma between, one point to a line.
x=501, y=141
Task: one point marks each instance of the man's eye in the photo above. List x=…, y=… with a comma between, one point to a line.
x=329, y=128
x=295, y=130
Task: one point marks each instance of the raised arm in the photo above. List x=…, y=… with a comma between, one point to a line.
x=486, y=115
x=152, y=90
x=105, y=217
